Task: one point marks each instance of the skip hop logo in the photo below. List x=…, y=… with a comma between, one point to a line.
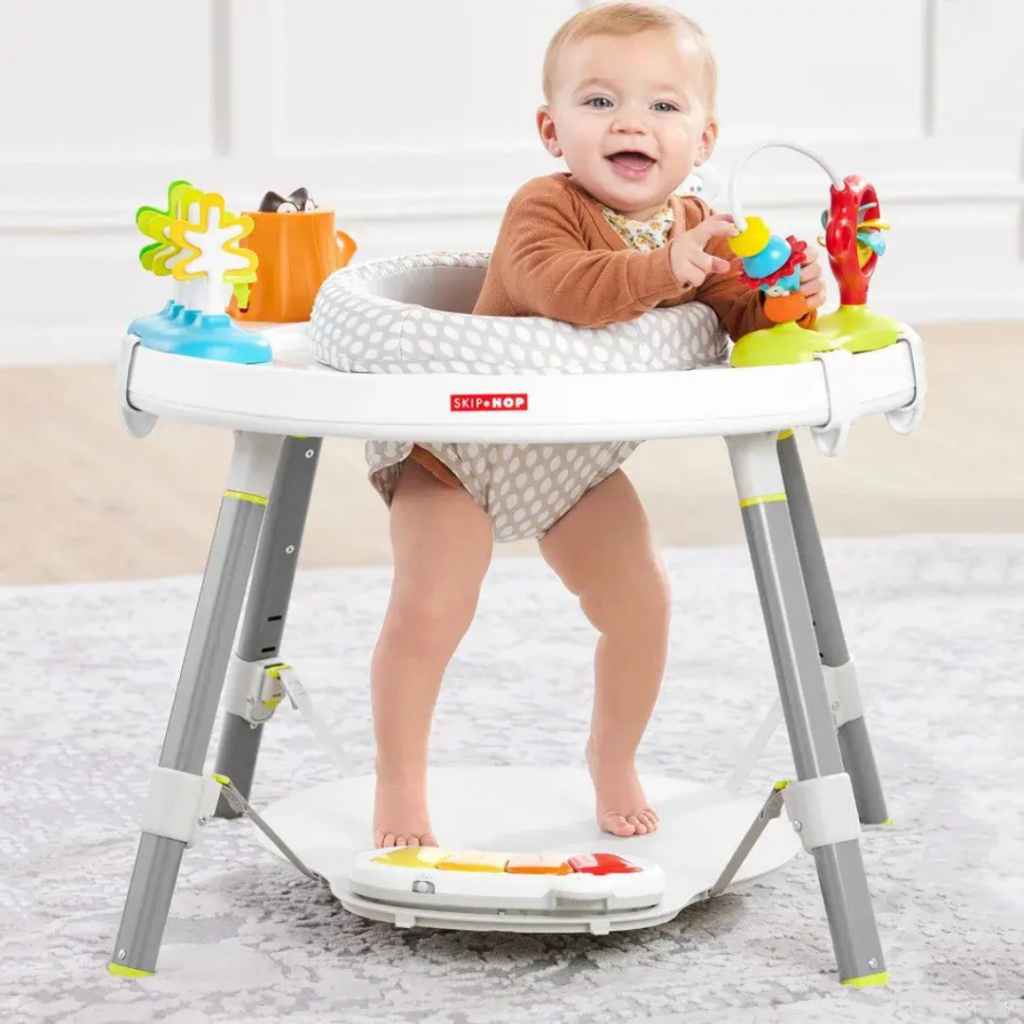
x=489, y=403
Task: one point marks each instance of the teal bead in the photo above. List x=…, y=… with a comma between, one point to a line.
x=769, y=259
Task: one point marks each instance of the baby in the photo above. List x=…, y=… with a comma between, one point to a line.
x=630, y=92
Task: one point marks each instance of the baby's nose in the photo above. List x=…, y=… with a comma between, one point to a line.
x=630, y=122
x=630, y=126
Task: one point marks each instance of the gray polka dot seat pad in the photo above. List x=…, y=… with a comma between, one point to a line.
x=414, y=315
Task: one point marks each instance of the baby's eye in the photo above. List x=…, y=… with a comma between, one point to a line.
x=664, y=107
x=599, y=101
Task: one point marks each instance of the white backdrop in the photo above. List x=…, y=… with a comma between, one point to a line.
x=414, y=120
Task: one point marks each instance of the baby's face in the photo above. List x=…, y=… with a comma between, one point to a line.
x=628, y=116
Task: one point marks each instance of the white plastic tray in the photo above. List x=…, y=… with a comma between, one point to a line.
x=296, y=395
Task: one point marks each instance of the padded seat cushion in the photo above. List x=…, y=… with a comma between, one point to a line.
x=414, y=315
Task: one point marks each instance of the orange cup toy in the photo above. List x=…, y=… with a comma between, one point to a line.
x=298, y=248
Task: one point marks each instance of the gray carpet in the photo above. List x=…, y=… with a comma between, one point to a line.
x=937, y=625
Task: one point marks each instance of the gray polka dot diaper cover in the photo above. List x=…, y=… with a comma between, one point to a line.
x=525, y=488
x=370, y=319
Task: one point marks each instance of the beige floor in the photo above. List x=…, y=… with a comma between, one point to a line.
x=82, y=500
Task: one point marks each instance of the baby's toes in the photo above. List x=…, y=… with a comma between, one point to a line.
x=617, y=825
x=384, y=840
x=649, y=820
x=639, y=827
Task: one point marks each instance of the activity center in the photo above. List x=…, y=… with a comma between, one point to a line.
x=270, y=331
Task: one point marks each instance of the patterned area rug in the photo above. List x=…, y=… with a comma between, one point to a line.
x=937, y=626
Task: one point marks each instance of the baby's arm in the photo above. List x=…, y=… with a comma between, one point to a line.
x=739, y=308
x=551, y=272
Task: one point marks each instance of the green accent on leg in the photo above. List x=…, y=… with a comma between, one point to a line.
x=762, y=499
x=781, y=785
x=869, y=980
x=222, y=779
x=858, y=329
x=120, y=971
x=779, y=345
x=888, y=821
x=255, y=499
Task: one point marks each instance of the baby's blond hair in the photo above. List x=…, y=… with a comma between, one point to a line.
x=627, y=19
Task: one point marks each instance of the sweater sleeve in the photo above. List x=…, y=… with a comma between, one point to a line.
x=739, y=308
x=550, y=271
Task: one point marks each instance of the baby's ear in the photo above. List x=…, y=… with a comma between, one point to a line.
x=548, y=131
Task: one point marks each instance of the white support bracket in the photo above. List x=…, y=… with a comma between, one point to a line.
x=250, y=691
x=842, y=401
x=904, y=420
x=843, y=693
x=823, y=810
x=179, y=804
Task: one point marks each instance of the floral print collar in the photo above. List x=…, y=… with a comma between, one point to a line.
x=644, y=235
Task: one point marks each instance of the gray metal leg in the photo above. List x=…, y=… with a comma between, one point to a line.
x=266, y=608
x=194, y=709
x=804, y=697
x=854, y=742
x=236, y=758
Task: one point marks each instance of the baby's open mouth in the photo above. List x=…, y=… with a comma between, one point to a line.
x=631, y=163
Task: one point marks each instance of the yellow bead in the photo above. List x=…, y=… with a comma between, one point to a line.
x=751, y=241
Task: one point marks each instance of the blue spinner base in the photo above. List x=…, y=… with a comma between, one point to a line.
x=187, y=332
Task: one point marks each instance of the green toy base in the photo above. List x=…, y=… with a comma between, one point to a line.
x=779, y=346
x=858, y=329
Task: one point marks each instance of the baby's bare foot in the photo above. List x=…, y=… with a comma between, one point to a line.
x=400, y=815
x=622, y=808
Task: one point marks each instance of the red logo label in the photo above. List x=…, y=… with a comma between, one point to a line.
x=489, y=403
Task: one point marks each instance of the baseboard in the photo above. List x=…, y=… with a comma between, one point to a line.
x=58, y=348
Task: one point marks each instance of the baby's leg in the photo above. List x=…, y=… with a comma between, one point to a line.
x=442, y=543
x=604, y=552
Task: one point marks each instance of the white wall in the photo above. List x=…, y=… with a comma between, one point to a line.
x=414, y=119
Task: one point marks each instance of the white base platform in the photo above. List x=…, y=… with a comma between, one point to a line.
x=533, y=810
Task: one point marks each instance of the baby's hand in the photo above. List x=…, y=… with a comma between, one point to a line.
x=812, y=284
x=690, y=263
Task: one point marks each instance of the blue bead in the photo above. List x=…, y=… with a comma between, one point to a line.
x=769, y=259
